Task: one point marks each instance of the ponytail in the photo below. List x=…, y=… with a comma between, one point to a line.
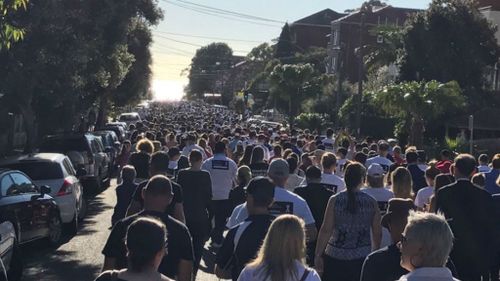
x=355, y=174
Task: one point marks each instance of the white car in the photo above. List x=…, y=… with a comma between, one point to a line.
x=9, y=253
x=130, y=118
x=56, y=171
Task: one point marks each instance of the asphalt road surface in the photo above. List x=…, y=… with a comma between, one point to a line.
x=79, y=258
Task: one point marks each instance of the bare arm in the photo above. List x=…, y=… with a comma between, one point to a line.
x=179, y=212
x=324, y=234
x=109, y=263
x=376, y=229
x=221, y=273
x=185, y=270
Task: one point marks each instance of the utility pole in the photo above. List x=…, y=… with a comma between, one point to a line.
x=361, y=66
x=338, y=97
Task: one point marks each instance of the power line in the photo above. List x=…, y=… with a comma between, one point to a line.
x=215, y=14
x=231, y=12
x=195, y=45
x=206, y=37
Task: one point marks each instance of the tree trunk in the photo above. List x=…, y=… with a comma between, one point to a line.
x=417, y=132
x=102, y=116
x=29, y=121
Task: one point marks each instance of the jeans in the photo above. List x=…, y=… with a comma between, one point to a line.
x=220, y=212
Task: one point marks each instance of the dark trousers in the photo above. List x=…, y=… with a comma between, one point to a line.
x=199, y=233
x=220, y=211
x=341, y=270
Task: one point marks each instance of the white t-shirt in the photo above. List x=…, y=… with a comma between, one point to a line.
x=187, y=149
x=329, y=144
x=483, y=169
x=423, y=196
x=333, y=181
x=339, y=171
x=285, y=202
x=381, y=194
x=223, y=174
x=382, y=161
x=256, y=274
x=293, y=182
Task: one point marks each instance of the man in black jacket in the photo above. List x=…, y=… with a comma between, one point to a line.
x=470, y=213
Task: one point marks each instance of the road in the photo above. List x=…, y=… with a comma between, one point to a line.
x=79, y=258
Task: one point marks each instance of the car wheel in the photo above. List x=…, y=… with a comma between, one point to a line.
x=83, y=209
x=55, y=230
x=72, y=227
x=16, y=264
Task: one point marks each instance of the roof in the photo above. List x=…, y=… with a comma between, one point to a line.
x=36, y=157
x=324, y=17
x=354, y=16
x=493, y=4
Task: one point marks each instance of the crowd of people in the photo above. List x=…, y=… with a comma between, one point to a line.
x=295, y=205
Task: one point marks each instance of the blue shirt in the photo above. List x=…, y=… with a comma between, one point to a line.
x=491, y=181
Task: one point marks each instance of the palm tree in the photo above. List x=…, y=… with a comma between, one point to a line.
x=420, y=102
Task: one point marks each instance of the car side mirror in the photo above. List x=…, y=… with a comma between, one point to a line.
x=81, y=172
x=44, y=189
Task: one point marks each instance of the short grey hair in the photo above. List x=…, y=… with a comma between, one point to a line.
x=435, y=235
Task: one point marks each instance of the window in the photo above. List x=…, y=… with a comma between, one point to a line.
x=6, y=185
x=21, y=185
x=336, y=38
x=38, y=170
x=69, y=167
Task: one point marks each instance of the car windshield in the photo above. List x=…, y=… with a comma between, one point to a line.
x=38, y=170
x=64, y=145
x=129, y=117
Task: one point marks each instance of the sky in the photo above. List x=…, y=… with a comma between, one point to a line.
x=179, y=35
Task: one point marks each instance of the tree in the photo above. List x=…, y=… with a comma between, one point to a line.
x=288, y=83
x=208, y=69
x=9, y=31
x=451, y=41
x=389, y=52
x=284, y=47
x=417, y=103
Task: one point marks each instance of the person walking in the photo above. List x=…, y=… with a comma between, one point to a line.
x=281, y=257
x=344, y=238
x=124, y=193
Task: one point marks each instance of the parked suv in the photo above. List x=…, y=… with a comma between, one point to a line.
x=85, y=151
x=56, y=171
x=32, y=212
x=109, y=140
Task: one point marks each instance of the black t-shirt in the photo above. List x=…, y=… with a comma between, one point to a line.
x=316, y=196
x=384, y=265
x=249, y=236
x=140, y=161
x=179, y=244
x=197, y=192
x=259, y=169
x=176, y=189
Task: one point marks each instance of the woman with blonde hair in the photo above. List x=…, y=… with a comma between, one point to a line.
x=402, y=183
x=281, y=257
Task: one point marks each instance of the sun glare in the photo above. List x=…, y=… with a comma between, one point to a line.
x=168, y=90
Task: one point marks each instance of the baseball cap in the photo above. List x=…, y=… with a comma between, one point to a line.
x=278, y=168
x=375, y=170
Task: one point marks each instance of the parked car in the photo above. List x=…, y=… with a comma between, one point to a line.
x=56, y=171
x=85, y=151
x=130, y=118
x=33, y=213
x=109, y=140
x=119, y=129
x=10, y=256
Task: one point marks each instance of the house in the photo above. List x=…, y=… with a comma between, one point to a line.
x=491, y=11
x=313, y=30
x=345, y=37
